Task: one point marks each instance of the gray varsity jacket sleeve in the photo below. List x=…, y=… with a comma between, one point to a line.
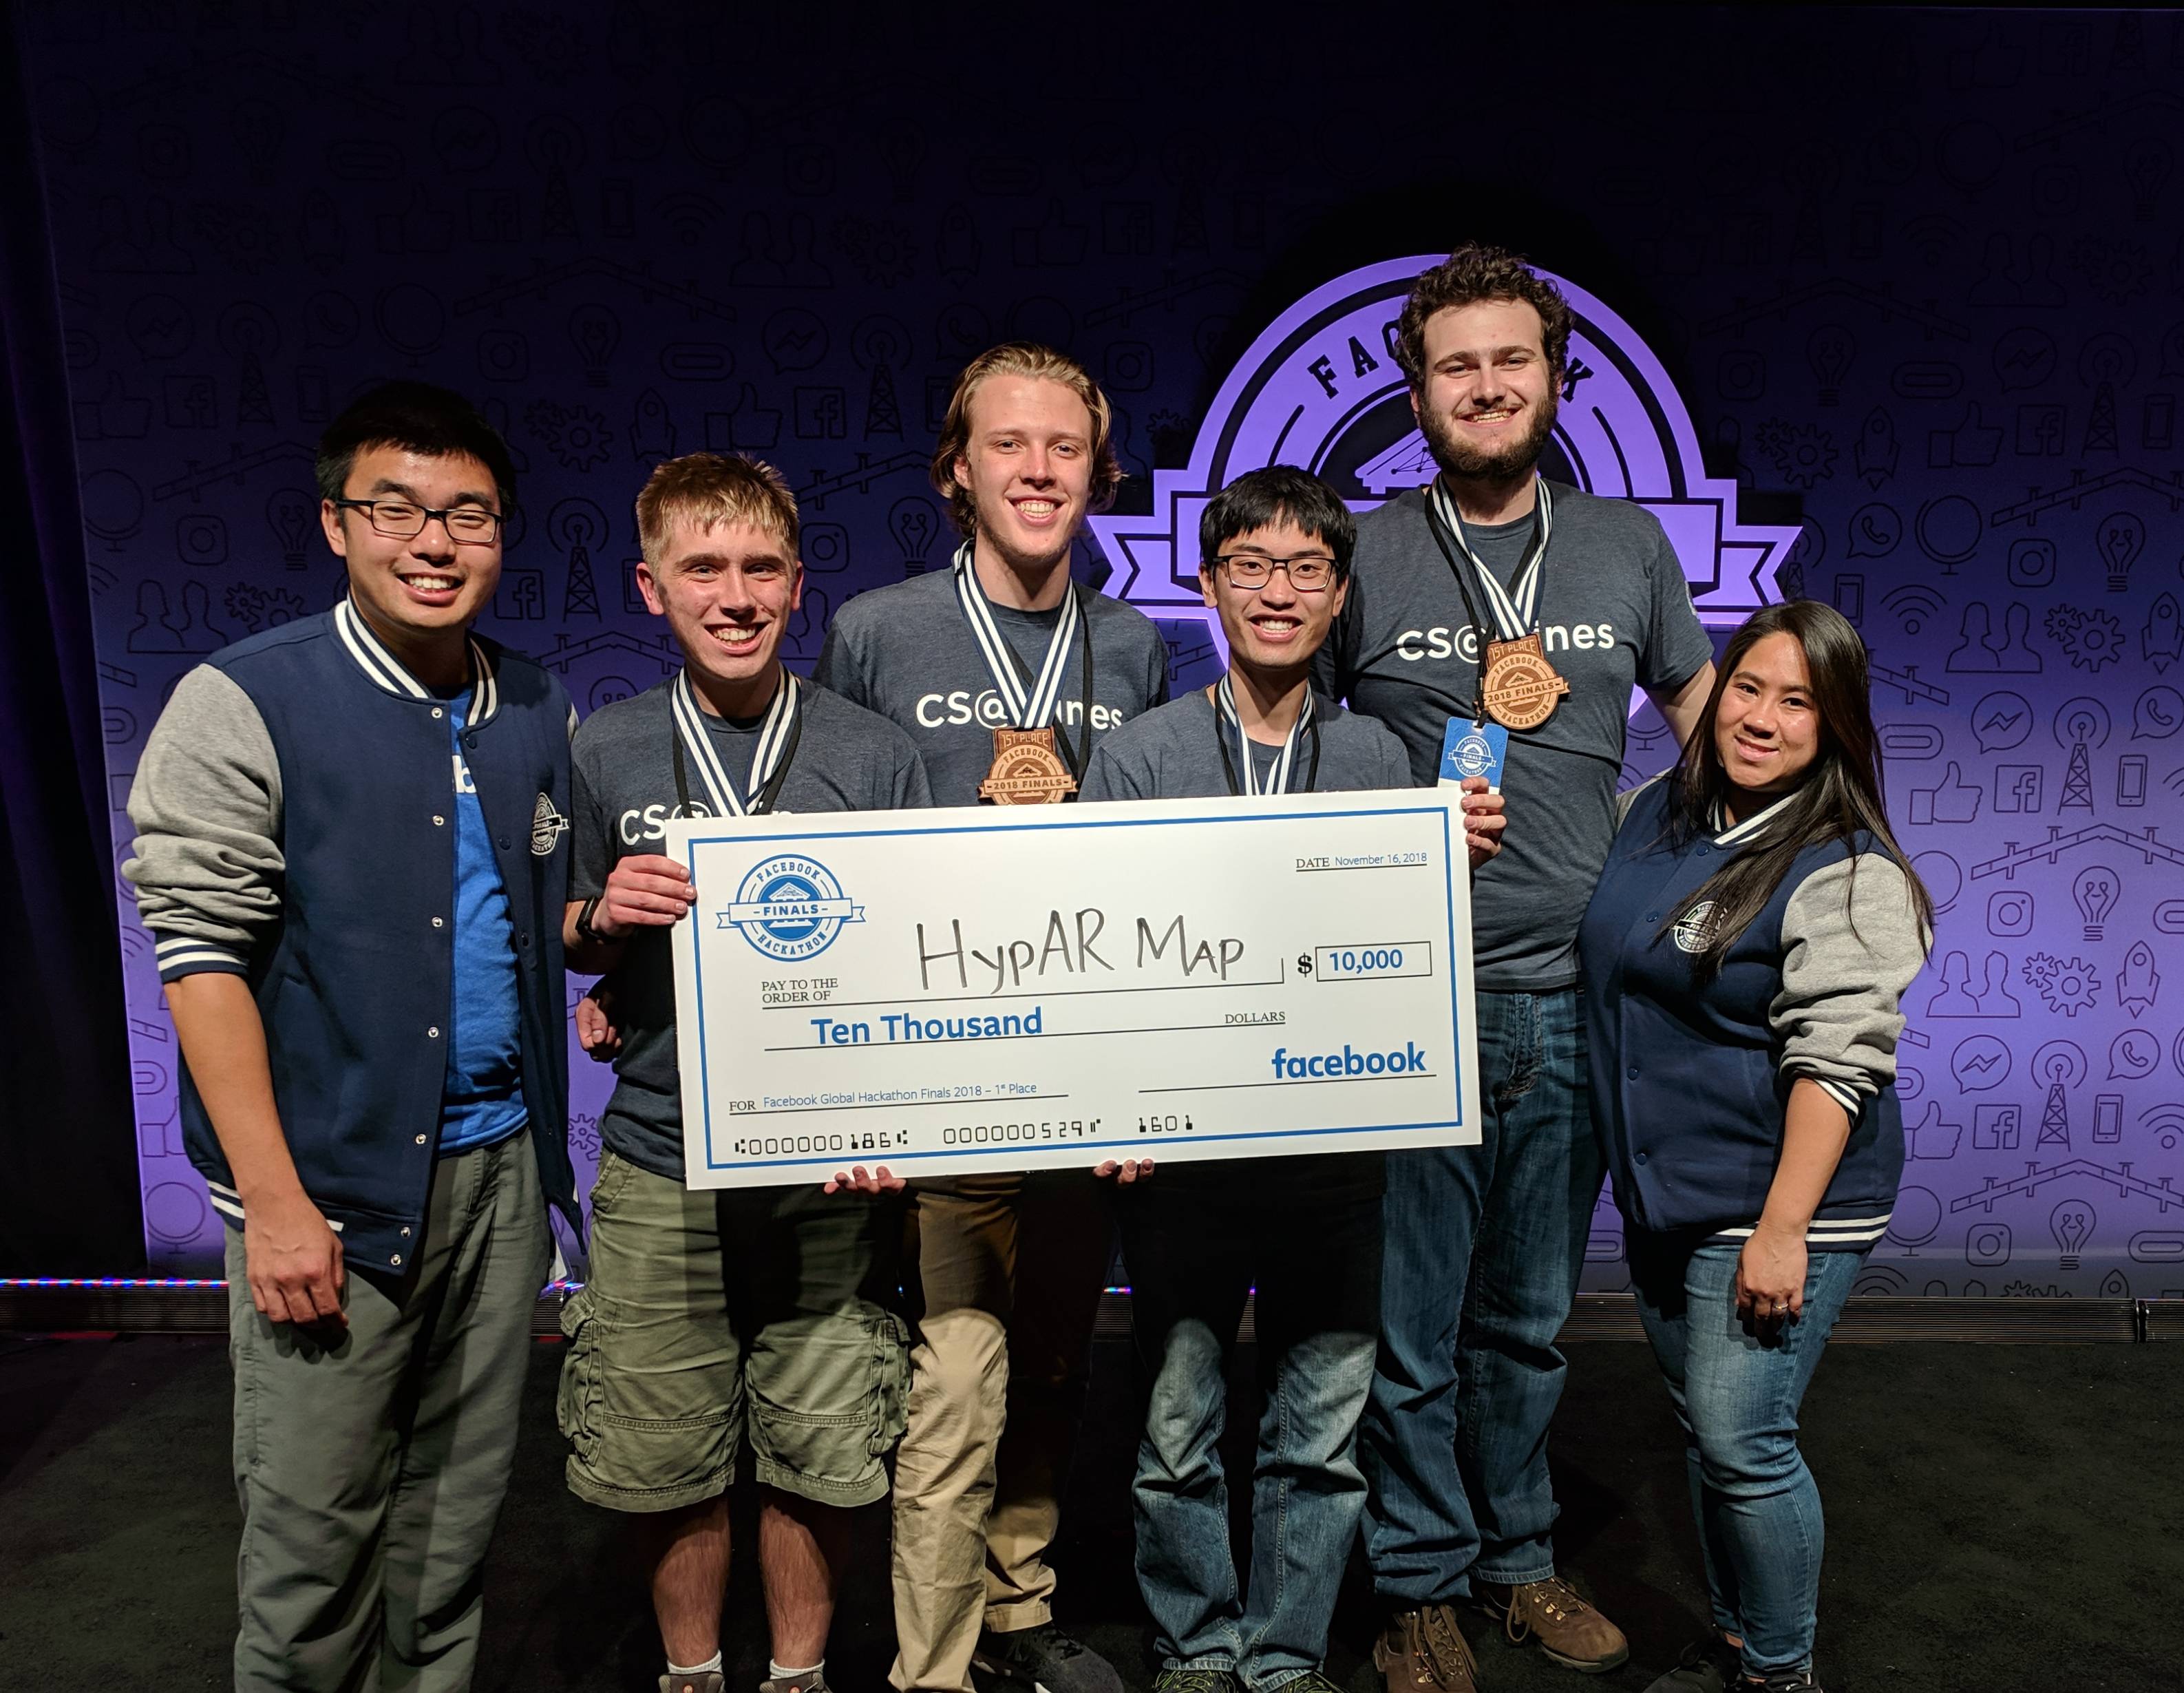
x=1629, y=798
x=206, y=802
x=1851, y=945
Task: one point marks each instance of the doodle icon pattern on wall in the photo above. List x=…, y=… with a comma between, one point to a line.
x=1937, y=352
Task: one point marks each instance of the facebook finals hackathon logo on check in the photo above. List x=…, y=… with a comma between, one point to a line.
x=1321, y=388
x=790, y=907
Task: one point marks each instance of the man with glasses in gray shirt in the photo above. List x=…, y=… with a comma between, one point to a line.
x=1275, y=548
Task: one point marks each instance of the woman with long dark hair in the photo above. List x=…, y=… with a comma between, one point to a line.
x=1743, y=956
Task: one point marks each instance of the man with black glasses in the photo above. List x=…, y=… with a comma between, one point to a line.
x=1275, y=546
x=363, y=957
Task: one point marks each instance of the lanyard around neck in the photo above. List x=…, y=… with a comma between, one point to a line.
x=1515, y=609
x=1031, y=702
x=1227, y=717
x=778, y=736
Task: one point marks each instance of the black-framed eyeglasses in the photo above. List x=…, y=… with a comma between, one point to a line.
x=1309, y=572
x=402, y=520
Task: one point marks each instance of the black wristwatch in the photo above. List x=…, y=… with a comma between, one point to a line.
x=584, y=929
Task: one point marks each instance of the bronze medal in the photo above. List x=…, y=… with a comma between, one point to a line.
x=1026, y=770
x=1521, y=689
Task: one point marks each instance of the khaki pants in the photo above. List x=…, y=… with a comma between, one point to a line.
x=1008, y=1271
x=370, y=1470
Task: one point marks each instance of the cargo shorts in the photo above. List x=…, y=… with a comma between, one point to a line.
x=714, y=1317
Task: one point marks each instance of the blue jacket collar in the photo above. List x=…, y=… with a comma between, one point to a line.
x=1738, y=834
x=385, y=672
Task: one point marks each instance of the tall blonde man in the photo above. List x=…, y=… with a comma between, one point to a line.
x=1005, y=674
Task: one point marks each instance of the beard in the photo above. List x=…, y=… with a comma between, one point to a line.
x=1513, y=458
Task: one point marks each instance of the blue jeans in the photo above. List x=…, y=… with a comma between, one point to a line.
x=1736, y=1396
x=1194, y=1249
x=1482, y=1249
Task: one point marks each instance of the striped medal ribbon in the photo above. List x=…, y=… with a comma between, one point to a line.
x=1284, y=766
x=1028, y=705
x=777, y=735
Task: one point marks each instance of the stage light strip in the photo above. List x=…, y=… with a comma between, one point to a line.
x=108, y=1281
x=135, y=1281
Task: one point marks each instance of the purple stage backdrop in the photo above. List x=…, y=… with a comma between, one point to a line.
x=1922, y=360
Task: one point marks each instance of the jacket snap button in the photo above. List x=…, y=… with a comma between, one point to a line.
x=1632, y=1072
x=437, y=713
x=1652, y=917
x=439, y=923
x=421, y=1140
x=396, y=1259
x=432, y=1033
x=405, y=1234
x=1641, y=1158
x=439, y=822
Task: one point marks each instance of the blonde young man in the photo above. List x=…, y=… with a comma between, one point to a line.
x=1002, y=671
x=761, y=1315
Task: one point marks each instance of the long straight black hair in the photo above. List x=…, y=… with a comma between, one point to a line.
x=1840, y=798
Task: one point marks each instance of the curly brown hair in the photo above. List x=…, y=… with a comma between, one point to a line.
x=1021, y=359
x=1472, y=273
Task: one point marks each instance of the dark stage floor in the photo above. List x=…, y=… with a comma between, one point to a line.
x=2055, y=1562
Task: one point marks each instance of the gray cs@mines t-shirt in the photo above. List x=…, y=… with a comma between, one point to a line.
x=1172, y=753
x=906, y=652
x=621, y=794
x=1615, y=612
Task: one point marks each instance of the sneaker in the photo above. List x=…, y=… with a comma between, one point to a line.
x=1202, y=1680
x=705, y=1681
x=1786, y=1681
x=1424, y=1652
x=1553, y=1613
x=802, y=1684
x=1708, y=1666
x=1044, y=1659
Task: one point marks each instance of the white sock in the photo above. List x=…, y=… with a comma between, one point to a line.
x=710, y=1664
x=775, y=1672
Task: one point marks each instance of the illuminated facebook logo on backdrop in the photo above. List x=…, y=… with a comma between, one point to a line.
x=1321, y=388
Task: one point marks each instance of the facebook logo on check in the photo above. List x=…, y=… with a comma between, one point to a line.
x=1319, y=1066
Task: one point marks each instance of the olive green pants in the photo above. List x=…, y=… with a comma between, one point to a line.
x=714, y=1317
x=370, y=1465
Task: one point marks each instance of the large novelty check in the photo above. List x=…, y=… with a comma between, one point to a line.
x=1009, y=987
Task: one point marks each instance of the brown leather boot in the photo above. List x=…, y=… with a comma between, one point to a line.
x=1424, y=1652
x=1553, y=1613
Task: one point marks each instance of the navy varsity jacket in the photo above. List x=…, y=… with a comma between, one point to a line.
x=1691, y=1080
x=296, y=826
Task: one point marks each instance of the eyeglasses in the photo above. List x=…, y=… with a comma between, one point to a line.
x=1309, y=572
x=399, y=520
